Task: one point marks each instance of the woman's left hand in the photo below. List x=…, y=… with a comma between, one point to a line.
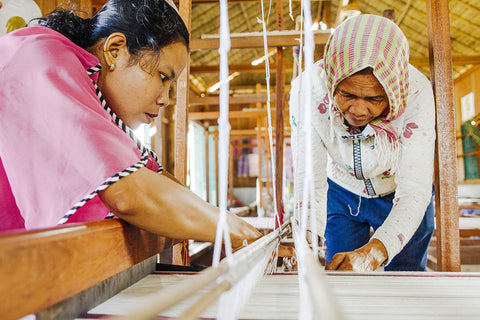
x=367, y=258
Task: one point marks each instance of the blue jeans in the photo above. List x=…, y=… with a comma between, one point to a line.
x=349, y=218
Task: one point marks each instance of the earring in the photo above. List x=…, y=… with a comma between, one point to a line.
x=111, y=67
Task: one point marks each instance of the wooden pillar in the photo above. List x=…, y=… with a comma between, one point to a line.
x=207, y=164
x=215, y=137
x=260, y=152
x=327, y=13
x=181, y=109
x=446, y=203
x=230, y=176
x=180, y=252
x=258, y=90
x=268, y=163
x=278, y=180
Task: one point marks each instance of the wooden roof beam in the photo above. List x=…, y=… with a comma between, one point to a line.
x=238, y=68
x=236, y=99
x=213, y=115
x=416, y=61
x=255, y=40
x=456, y=61
x=253, y=132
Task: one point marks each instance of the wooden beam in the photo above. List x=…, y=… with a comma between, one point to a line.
x=207, y=164
x=179, y=256
x=416, y=61
x=243, y=132
x=255, y=40
x=181, y=108
x=231, y=173
x=446, y=204
x=280, y=84
x=456, y=61
x=243, y=145
x=213, y=115
x=86, y=300
x=41, y=268
x=215, y=139
x=235, y=99
x=238, y=68
x=253, y=132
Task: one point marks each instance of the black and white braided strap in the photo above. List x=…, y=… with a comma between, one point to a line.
x=142, y=163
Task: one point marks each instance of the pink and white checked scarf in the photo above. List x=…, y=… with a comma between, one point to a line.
x=371, y=41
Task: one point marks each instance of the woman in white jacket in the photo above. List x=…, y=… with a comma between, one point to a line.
x=373, y=132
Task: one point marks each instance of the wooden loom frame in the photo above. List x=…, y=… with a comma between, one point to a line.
x=32, y=260
x=41, y=268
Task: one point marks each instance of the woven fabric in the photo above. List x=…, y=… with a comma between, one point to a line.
x=371, y=41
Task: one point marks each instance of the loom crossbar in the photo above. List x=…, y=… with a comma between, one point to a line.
x=41, y=268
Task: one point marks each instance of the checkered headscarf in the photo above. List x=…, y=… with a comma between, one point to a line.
x=371, y=41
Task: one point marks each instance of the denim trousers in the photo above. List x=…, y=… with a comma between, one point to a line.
x=350, y=218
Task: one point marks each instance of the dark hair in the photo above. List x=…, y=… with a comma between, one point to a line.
x=147, y=25
x=367, y=70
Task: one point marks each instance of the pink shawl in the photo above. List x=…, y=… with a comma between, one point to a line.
x=57, y=143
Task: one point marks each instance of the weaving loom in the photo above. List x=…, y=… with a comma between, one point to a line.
x=90, y=256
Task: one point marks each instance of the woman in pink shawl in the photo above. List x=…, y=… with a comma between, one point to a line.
x=70, y=91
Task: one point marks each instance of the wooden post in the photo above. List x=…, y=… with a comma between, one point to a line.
x=230, y=176
x=278, y=180
x=181, y=109
x=215, y=137
x=180, y=255
x=260, y=152
x=258, y=89
x=207, y=165
x=446, y=203
x=268, y=163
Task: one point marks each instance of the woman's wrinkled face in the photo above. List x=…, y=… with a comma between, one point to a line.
x=361, y=99
x=136, y=92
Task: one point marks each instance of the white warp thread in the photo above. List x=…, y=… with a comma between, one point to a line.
x=308, y=185
x=269, y=113
x=307, y=94
x=224, y=137
x=231, y=302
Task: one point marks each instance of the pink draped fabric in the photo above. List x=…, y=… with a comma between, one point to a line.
x=57, y=143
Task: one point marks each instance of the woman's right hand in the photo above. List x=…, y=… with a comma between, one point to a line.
x=241, y=232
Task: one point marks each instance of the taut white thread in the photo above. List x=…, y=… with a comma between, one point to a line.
x=224, y=137
x=269, y=114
